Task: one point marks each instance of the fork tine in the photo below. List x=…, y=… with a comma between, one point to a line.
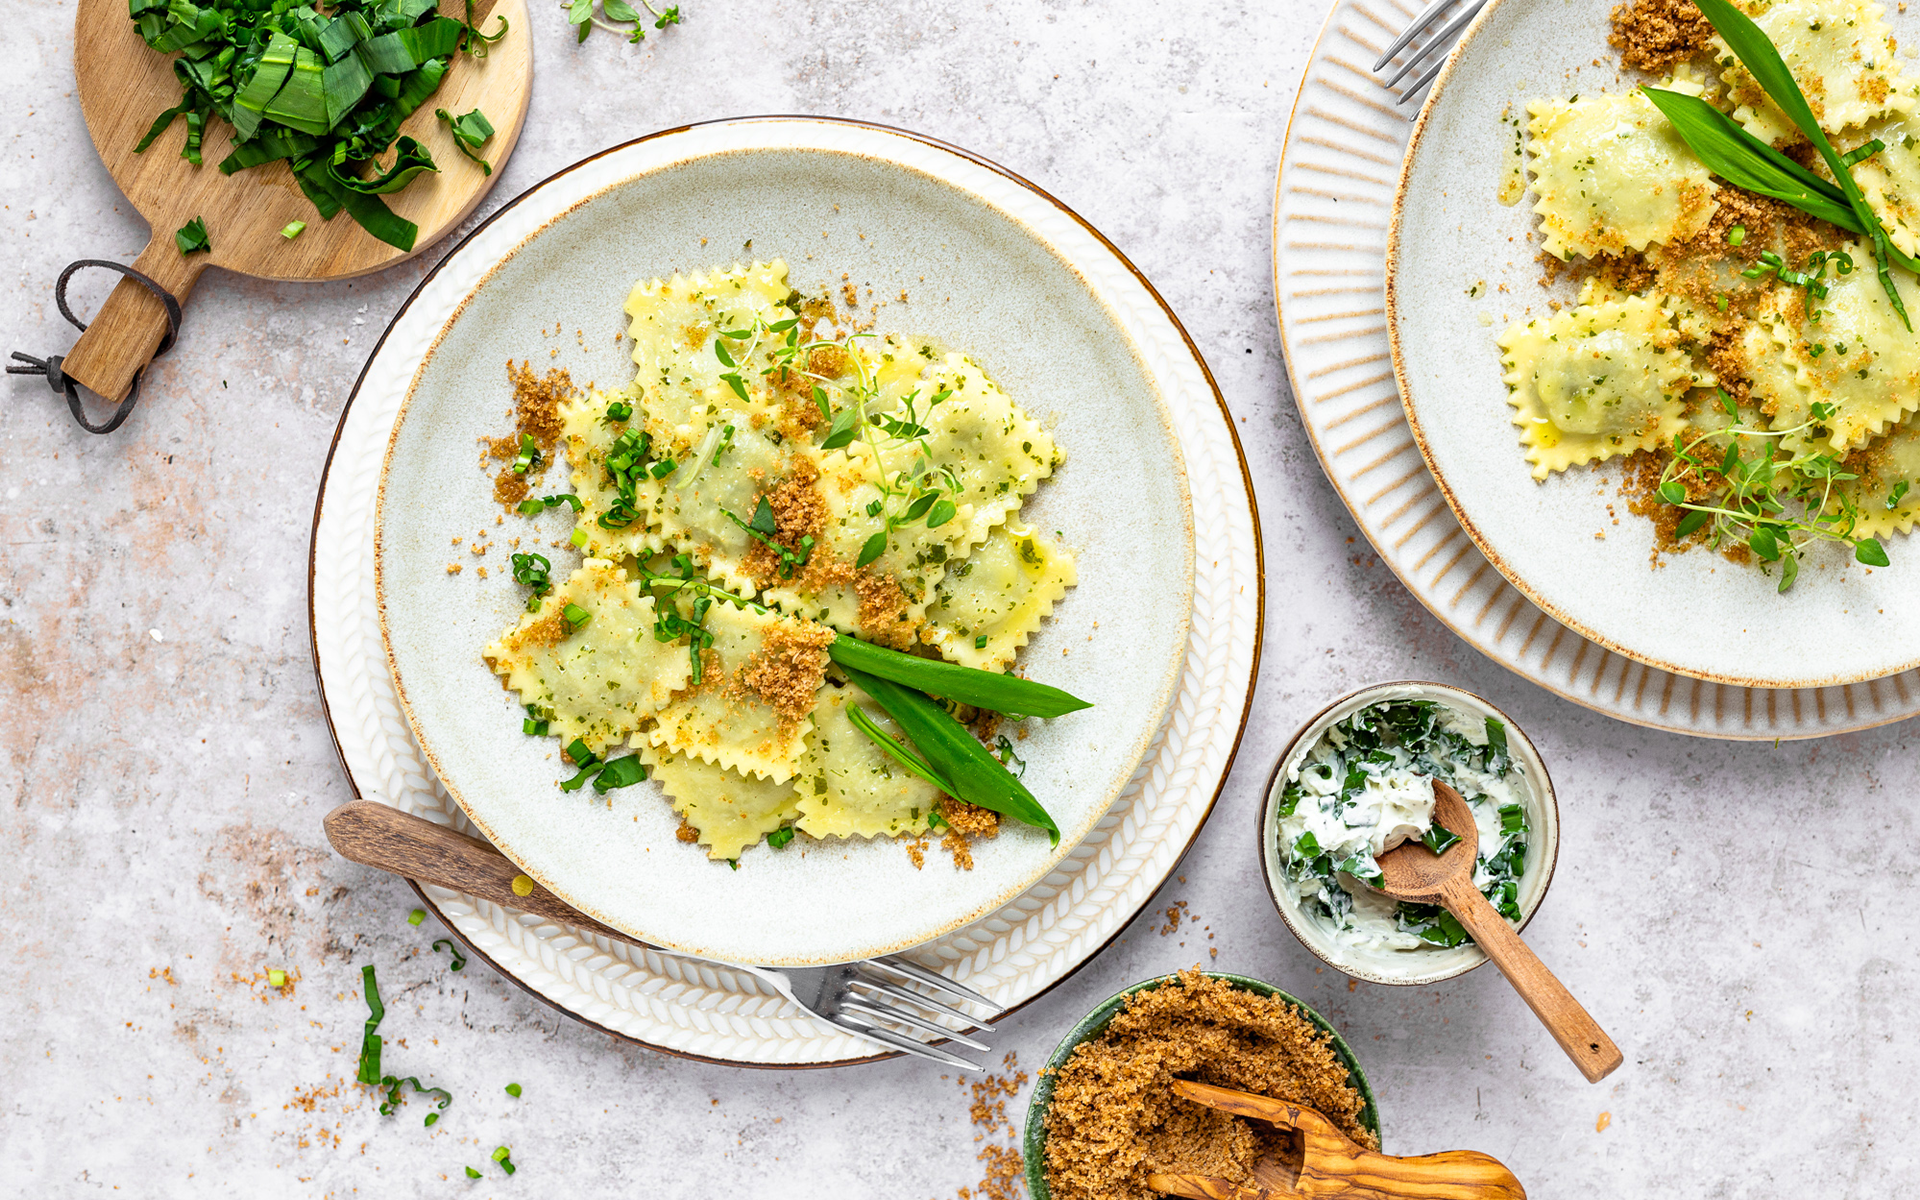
x=919, y=974
x=913, y=997
x=888, y=1038
x=1444, y=42
x=882, y=1013
x=1412, y=31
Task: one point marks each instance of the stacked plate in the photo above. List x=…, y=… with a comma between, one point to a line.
x=993, y=266
x=1406, y=408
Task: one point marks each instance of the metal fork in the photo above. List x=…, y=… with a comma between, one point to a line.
x=1441, y=42
x=861, y=998
x=830, y=994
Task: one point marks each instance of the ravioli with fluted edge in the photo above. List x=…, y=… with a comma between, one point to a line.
x=1753, y=362
x=770, y=481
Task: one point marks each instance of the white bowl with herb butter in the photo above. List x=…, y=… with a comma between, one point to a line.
x=1357, y=780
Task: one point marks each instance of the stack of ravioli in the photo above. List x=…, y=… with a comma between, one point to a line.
x=763, y=739
x=1626, y=371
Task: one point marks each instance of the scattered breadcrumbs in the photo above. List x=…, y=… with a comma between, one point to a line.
x=536, y=413
x=799, y=510
x=1114, y=1118
x=996, y=1134
x=687, y=833
x=965, y=822
x=1174, y=914
x=917, y=852
x=786, y=671
x=1652, y=35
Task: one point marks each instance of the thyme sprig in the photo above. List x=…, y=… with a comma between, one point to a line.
x=1776, y=506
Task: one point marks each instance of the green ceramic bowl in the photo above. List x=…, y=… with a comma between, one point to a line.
x=1095, y=1023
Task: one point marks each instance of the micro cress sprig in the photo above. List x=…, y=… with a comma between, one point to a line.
x=920, y=492
x=1776, y=507
x=580, y=14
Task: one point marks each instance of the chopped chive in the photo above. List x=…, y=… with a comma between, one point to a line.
x=619, y=410
x=293, y=229
x=416, y=916
x=459, y=959
x=276, y=977
x=578, y=538
x=529, y=455
x=370, y=1040
x=734, y=863
x=513, y=1089
x=500, y=1155
x=472, y=1174
x=575, y=617
x=779, y=838
x=619, y=773
x=1736, y=235
x=980, y=642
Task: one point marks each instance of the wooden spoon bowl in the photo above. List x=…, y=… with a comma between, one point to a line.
x=124, y=84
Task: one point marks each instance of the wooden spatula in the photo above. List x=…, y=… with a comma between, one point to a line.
x=1324, y=1162
x=124, y=84
x=1413, y=873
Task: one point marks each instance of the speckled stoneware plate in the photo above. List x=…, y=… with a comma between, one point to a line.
x=1017, y=938
x=1695, y=614
x=975, y=280
x=1410, y=966
x=1339, y=168
x=1095, y=1023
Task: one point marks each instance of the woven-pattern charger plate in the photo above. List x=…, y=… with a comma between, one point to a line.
x=1333, y=200
x=1012, y=954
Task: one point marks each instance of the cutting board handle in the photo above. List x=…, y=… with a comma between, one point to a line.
x=133, y=322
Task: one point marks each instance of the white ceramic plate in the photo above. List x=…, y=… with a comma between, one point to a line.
x=976, y=281
x=1697, y=614
x=1013, y=952
x=1338, y=171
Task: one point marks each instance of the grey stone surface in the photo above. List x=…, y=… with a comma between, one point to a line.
x=1736, y=915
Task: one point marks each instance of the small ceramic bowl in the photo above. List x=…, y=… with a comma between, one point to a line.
x=1409, y=966
x=1095, y=1023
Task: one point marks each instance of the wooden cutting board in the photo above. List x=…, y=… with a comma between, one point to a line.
x=124, y=84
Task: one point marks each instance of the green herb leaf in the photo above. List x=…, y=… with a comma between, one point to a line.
x=963, y=685
x=1691, y=523
x=954, y=754
x=472, y=1174
x=1870, y=552
x=619, y=773
x=513, y=1089
x=875, y=546
x=191, y=238
x=894, y=749
x=1673, y=492
x=1438, y=838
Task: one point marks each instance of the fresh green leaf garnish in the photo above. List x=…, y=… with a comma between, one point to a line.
x=1438, y=838
x=779, y=838
x=951, y=681
x=618, y=773
x=459, y=962
x=954, y=755
x=470, y=132
x=191, y=238
x=513, y=1089
x=472, y=1174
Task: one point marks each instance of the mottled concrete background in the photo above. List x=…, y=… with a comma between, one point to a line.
x=1738, y=916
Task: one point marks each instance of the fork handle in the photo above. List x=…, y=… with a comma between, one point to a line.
x=380, y=835
x=1570, y=1024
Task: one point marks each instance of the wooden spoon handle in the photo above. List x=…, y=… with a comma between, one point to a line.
x=132, y=323
x=1577, y=1032
x=1202, y=1187
x=379, y=835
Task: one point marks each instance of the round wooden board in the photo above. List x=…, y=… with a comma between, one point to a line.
x=124, y=84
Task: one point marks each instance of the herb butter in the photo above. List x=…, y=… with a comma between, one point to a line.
x=1366, y=786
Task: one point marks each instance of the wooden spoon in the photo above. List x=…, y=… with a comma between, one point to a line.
x=379, y=835
x=1412, y=872
x=1322, y=1161
x=124, y=84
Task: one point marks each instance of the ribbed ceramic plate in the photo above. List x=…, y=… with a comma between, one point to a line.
x=1028, y=942
x=1559, y=540
x=1338, y=175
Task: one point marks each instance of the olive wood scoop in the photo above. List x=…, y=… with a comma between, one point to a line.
x=1323, y=1162
x=1412, y=872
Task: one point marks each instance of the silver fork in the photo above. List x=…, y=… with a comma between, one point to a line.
x=1442, y=42
x=862, y=998
x=830, y=994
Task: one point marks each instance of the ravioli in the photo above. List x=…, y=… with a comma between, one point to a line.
x=1595, y=382
x=1840, y=52
x=1612, y=174
x=851, y=787
x=986, y=607
x=600, y=679
x=727, y=810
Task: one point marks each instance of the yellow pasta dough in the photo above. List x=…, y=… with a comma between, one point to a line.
x=851, y=787
x=730, y=811
x=601, y=679
x=1595, y=382
x=1612, y=175
x=1840, y=52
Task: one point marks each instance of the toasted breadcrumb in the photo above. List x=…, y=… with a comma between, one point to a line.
x=787, y=669
x=1653, y=35
x=1114, y=1118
